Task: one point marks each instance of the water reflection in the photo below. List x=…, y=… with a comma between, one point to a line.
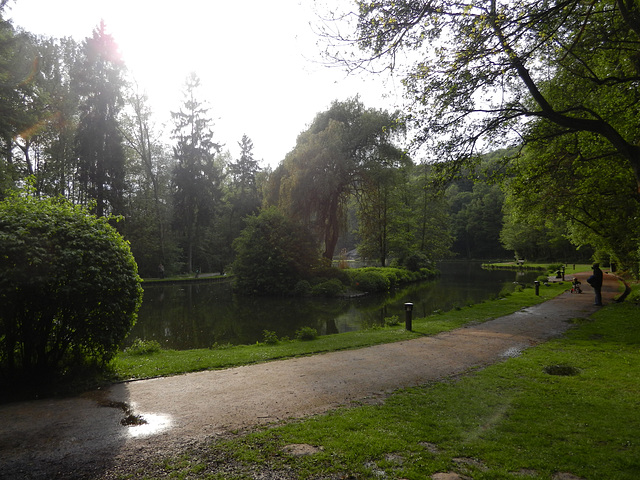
x=201, y=315
x=152, y=425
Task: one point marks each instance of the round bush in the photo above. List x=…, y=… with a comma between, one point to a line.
x=273, y=254
x=69, y=288
x=369, y=281
x=330, y=288
x=415, y=261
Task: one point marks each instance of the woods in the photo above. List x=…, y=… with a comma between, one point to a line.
x=519, y=141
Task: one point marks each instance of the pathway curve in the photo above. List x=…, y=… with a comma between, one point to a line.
x=39, y=439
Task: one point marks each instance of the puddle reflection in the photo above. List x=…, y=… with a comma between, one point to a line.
x=154, y=424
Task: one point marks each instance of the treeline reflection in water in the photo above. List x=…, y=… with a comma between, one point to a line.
x=184, y=316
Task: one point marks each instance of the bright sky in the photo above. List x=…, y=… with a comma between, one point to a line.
x=259, y=62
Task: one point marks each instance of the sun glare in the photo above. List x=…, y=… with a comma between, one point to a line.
x=259, y=62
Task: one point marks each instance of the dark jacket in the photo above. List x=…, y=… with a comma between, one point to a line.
x=595, y=280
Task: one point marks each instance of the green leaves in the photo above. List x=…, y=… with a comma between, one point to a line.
x=274, y=253
x=330, y=163
x=68, y=285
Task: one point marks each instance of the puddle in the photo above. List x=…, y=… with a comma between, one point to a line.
x=138, y=424
x=152, y=424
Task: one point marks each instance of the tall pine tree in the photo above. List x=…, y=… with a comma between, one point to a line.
x=99, y=144
x=197, y=179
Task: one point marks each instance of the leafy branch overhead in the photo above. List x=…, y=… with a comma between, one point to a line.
x=480, y=72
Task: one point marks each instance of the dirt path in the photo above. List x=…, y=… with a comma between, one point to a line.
x=62, y=438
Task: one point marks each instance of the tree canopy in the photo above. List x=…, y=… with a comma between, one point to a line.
x=330, y=162
x=480, y=71
x=557, y=78
x=274, y=253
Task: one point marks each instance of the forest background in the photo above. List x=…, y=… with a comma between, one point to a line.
x=74, y=125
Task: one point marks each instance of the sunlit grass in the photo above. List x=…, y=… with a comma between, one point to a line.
x=570, y=268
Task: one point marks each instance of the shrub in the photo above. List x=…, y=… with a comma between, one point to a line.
x=554, y=267
x=327, y=272
x=416, y=261
x=634, y=296
x=381, y=279
x=269, y=337
x=69, y=288
x=369, y=281
x=306, y=333
x=330, y=288
x=273, y=254
x=392, y=321
x=143, y=347
x=302, y=288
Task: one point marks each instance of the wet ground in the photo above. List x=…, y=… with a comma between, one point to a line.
x=88, y=436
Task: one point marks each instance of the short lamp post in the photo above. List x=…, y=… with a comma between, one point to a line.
x=537, y=284
x=408, y=308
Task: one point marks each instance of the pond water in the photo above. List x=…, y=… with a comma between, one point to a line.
x=184, y=316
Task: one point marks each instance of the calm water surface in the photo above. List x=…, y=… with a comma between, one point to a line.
x=201, y=315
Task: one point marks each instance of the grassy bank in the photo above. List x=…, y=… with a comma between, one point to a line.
x=570, y=268
x=569, y=406
x=129, y=365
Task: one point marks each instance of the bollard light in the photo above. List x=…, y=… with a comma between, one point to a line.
x=408, y=308
x=537, y=284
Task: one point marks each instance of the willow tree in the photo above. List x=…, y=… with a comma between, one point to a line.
x=329, y=162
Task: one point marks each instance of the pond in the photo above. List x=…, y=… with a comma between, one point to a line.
x=185, y=316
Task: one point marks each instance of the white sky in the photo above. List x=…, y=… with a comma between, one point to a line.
x=259, y=61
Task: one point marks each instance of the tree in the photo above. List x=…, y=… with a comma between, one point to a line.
x=477, y=219
x=69, y=288
x=493, y=66
x=328, y=163
x=595, y=197
x=53, y=141
x=433, y=237
x=149, y=168
x=243, y=174
x=273, y=253
x=384, y=218
x=99, y=142
x=196, y=177
x=21, y=106
x=242, y=198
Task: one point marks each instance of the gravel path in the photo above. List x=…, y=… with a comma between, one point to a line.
x=85, y=436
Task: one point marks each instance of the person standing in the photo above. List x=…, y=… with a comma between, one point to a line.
x=595, y=281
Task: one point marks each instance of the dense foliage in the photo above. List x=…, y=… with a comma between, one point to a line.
x=333, y=160
x=557, y=77
x=69, y=288
x=274, y=253
x=374, y=279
